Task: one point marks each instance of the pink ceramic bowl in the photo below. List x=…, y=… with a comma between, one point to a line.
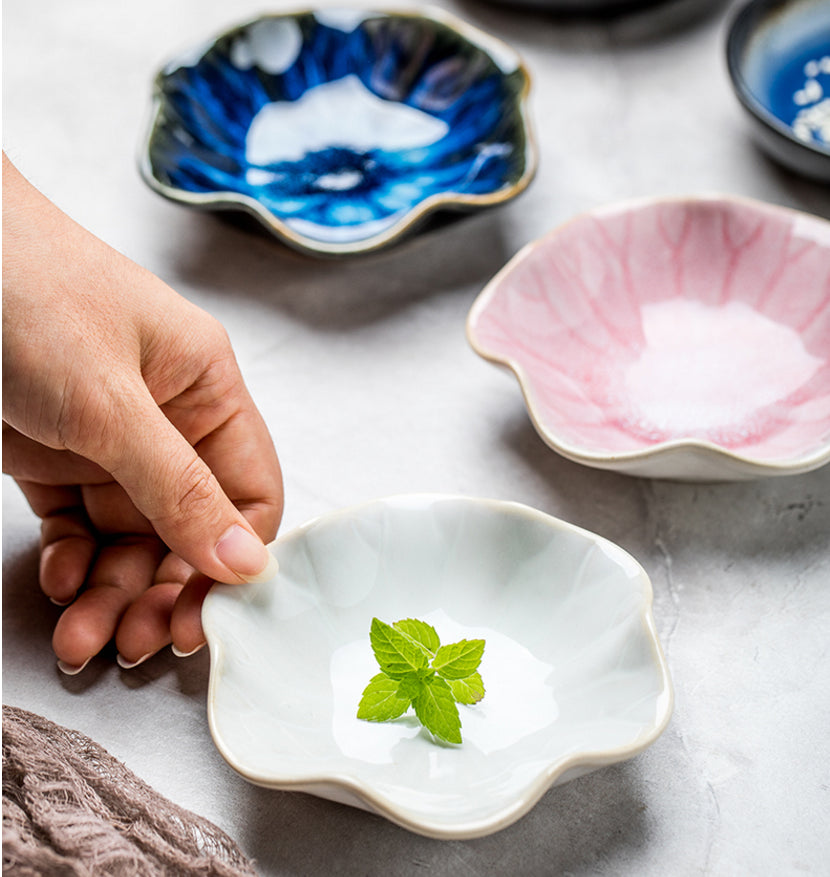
x=680, y=338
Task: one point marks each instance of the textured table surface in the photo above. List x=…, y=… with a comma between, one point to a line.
x=363, y=373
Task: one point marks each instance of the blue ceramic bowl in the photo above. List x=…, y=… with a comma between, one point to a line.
x=341, y=129
x=778, y=53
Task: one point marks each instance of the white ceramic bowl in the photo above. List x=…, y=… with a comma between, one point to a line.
x=573, y=668
x=682, y=338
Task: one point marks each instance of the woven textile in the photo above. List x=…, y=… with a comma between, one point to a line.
x=72, y=810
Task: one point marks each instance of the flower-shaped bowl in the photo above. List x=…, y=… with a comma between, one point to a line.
x=341, y=129
x=574, y=673
x=679, y=338
x=778, y=55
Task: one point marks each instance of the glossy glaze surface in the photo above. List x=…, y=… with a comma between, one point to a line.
x=340, y=129
x=574, y=673
x=678, y=338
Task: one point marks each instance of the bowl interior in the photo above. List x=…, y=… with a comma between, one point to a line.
x=783, y=57
x=572, y=668
x=704, y=320
x=337, y=125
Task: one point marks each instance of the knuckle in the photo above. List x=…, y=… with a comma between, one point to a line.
x=198, y=491
x=213, y=337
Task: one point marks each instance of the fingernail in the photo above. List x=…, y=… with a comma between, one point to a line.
x=242, y=552
x=61, y=603
x=128, y=665
x=180, y=654
x=72, y=669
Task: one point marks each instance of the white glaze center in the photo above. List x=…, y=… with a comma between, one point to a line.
x=519, y=699
x=704, y=367
x=342, y=113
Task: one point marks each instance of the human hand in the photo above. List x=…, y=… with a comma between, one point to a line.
x=128, y=427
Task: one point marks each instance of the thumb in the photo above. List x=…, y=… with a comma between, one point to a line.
x=174, y=488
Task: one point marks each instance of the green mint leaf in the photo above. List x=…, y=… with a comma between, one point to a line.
x=396, y=653
x=436, y=710
x=403, y=651
x=458, y=660
x=384, y=699
x=423, y=633
x=469, y=690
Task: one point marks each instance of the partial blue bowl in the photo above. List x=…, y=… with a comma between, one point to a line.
x=778, y=55
x=340, y=130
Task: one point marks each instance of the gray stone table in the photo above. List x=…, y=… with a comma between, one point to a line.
x=363, y=373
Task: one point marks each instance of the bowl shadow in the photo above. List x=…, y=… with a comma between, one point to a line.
x=769, y=516
x=231, y=255
x=318, y=836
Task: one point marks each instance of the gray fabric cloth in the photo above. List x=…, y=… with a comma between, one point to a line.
x=70, y=810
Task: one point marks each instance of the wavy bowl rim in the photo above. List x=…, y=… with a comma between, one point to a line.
x=407, y=817
x=234, y=201
x=747, y=464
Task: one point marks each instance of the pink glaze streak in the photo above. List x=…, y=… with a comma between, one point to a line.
x=701, y=319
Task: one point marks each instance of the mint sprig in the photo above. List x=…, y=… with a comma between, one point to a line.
x=417, y=671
